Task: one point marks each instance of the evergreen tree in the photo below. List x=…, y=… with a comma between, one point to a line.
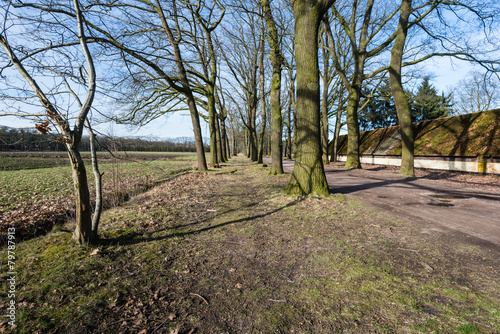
x=427, y=104
x=380, y=112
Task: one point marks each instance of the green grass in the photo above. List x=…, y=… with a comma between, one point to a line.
x=230, y=253
x=45, y=184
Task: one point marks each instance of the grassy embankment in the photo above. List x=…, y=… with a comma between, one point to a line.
x=228, y=252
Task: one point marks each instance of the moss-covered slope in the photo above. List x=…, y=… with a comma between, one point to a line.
x=463, y=135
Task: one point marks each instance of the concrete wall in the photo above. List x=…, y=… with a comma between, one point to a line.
x=474, y=165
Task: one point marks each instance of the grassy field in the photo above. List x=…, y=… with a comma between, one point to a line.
x=227, y=252
x=36, y=160
x=34, y=199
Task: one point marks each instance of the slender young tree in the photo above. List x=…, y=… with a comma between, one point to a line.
x=83, y=233
x=308, y=174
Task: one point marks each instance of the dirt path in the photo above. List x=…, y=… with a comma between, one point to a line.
x=467, y=212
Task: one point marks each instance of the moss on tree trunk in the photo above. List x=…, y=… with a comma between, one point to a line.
x=400, y=99
x=353, y=130
x=308, y=174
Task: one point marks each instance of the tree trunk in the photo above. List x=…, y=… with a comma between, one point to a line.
x=83, y=230
x=338, y=125
x=253, y=149
x=225, y=143
x=214, y=162
x=324, y=119
x=353, y=129
x=400, y=99
x=308, y=174
x=186, y=90
x=198, y=139
x=98, y=183
x=324, y=99
x=277, y=126
x=218, y=139
x=262, y=97
x=289, y=133
x=294, y=117
x=277, y=61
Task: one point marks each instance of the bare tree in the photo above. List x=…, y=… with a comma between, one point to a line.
x=71, y=136
x=152, y=64
x=478, y=91
x=400, y=99
x=451, y=41
x=241, y=53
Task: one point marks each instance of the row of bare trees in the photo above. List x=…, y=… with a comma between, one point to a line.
x=247, y=68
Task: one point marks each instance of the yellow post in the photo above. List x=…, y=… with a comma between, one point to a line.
x=481, y=163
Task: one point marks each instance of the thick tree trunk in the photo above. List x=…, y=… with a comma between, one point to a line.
x=308, y=174
x=353, y=129
x=83, y=231
x=400, y=99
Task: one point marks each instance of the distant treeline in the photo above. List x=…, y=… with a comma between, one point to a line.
x=12, y=139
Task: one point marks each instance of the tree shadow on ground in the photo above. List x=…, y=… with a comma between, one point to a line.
x=411, y=184
x=132, y=239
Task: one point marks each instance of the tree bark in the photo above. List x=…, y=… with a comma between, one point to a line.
x=324, y=117
x=308, y=174
x=400, y=99
x=289, y=132
x=338, y=125
x=214, y=162
x=83, y=233
x=218, y=137
x=262, y=96
x=277, y=62
x=96, y=217
x=324, y=97
x=353, y=128
x=225, y=143
x=252, y=132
